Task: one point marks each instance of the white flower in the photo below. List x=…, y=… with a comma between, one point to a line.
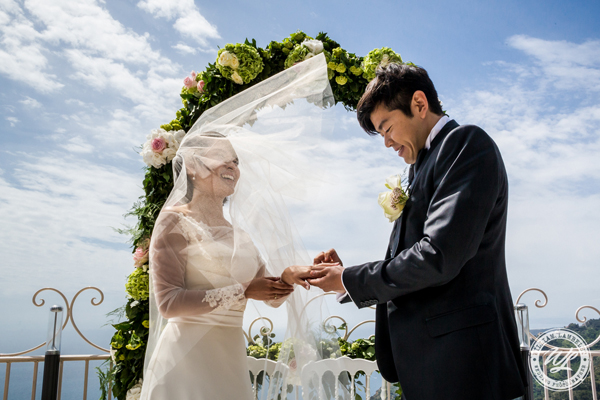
x=314, y=46
x=172, y=139
x=179, y=136
x=393, y=202
x=237, y=78
x=169, y=154
x=225, y=58
x=135, y=392
x=234, y=63
x=145, y=267
x=134, y=303
x=113, y=353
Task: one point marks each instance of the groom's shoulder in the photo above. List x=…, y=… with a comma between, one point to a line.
x=469, y=135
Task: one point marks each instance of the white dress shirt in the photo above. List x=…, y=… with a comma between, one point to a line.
x=436, y=129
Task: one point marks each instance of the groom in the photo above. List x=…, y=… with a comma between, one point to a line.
x=445, y=327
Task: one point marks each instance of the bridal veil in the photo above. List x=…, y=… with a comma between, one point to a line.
x=260, y=128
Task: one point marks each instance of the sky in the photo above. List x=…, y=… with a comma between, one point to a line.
x=83, y=82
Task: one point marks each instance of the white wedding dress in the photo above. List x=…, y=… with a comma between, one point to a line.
x=201, y=353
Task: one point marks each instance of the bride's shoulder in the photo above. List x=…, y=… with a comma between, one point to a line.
x=171, y=215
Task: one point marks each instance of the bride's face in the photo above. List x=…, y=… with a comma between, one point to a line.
x=219, y=170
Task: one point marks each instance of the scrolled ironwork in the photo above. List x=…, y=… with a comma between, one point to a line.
x=69, y=315
x=537, y=302
x=332, y=328
x=264, y=331
x=94, y=304
x=539, y=305
x=585, y=319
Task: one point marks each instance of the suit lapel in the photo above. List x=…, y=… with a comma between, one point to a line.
x=417, y=168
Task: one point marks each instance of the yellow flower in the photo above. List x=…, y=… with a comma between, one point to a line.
x=341, y=80
x=341, y=68
x=121, y=357
x=331, y=65
x=146, y=324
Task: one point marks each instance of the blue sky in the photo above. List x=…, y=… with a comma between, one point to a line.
x=83, y=82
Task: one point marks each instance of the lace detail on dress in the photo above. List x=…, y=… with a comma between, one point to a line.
x=196, y=231
x=225, y=298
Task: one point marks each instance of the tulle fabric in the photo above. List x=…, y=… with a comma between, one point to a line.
x=199, y=271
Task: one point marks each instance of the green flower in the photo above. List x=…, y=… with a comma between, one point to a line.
x=146, y=323
x=330, y=74
x=117, y=340
x=285, y=50
x=341, y=68
x=298, y=36
x=356, y=71
x=137, y=285
x=377, y=57
x=135, y=342
x=239, y=61
x=299, y=54
x=337, y=52
x=341, y=80
x=331, y=65
x=167, y=127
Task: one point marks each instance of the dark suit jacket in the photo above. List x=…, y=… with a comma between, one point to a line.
x=445, y=327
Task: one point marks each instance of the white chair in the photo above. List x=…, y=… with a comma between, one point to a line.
x=256, y=365
x=337, y=366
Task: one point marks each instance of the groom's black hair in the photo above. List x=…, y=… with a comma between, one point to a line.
x=394, y=86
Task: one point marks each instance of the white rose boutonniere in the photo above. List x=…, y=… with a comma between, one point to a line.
x=393, y=202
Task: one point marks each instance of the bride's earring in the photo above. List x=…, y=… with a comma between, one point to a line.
x=194, y=177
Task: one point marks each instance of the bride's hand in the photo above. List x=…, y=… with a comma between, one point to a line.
x=267, y=288
x=297, y=274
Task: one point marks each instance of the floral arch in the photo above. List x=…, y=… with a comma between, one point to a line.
x=237, y=67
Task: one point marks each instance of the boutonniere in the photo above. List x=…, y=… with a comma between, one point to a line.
x=393, y=202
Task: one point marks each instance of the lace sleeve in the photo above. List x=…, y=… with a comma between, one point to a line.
x=168, y=259
x=226, y=297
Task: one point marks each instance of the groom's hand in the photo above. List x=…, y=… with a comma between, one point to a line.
x=328, y=277
x=329, y=256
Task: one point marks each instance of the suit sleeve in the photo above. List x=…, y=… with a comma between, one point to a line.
x=467, y=177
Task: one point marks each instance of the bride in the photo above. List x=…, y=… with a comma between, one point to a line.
x=204, y=266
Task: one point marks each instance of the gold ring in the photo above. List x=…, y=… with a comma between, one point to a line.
x=275, y=297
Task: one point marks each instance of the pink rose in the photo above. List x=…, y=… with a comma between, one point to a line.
x=140, y=257
x=193, y=74
x=201, y=86
x=189, y=82
x=293, y=364
x=158, y=145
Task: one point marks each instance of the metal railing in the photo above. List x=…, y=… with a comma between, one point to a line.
x=14, y=358
x=594, y=354
x=19, y=357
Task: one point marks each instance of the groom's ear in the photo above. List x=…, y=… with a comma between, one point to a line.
x=419, y=104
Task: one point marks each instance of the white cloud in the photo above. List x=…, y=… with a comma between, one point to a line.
x=58, y=214
x=568, y=65
x=188, y=20
x=184, y=48
x=13, y=121
x=30, y=102
x=549, y=139
x=22, y=55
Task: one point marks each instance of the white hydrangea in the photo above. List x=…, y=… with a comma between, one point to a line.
x=162, y=154
x=314, y=46
x=135, y=392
